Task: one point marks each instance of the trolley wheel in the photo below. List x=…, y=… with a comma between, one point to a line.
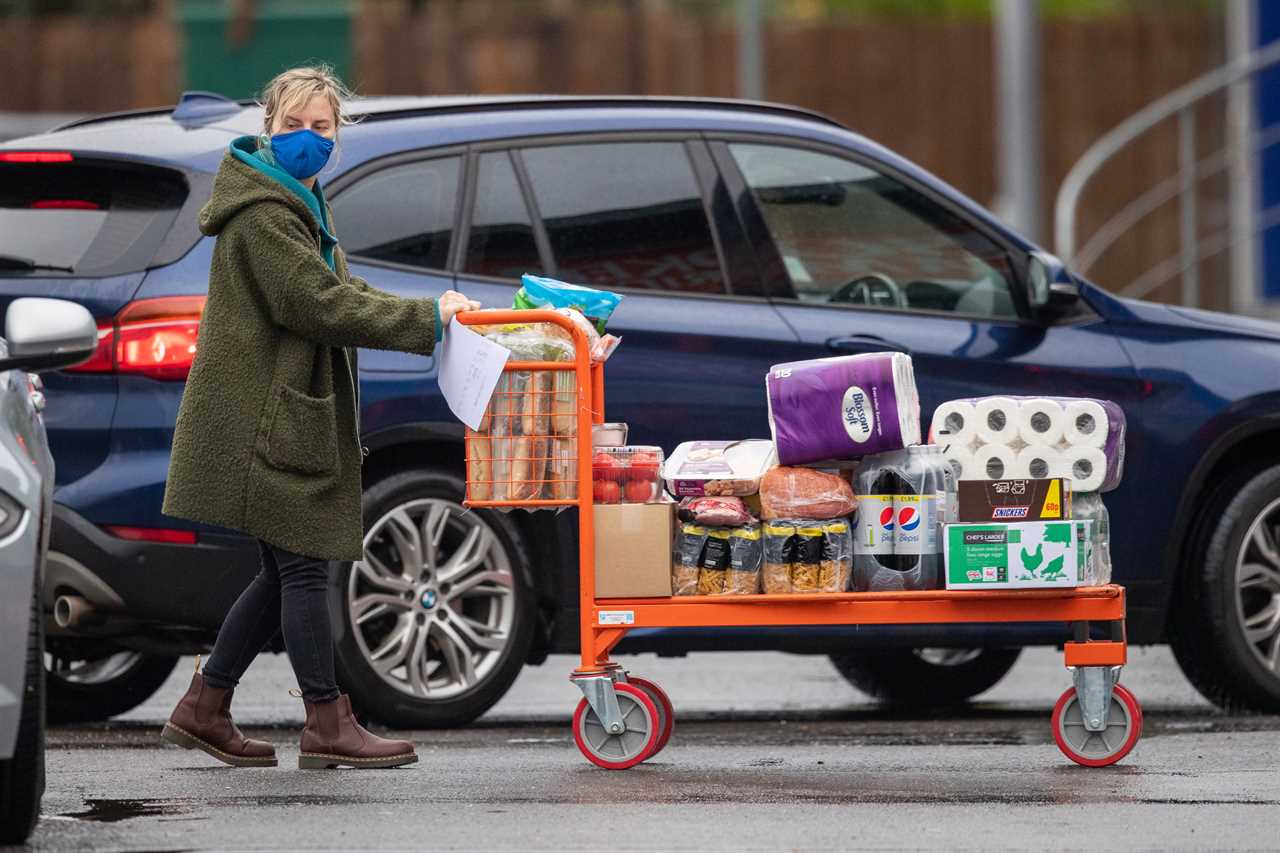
x=666, y=714
x=1097, y=749
x=637, y=741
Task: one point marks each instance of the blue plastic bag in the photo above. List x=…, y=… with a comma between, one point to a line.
x=541, y=292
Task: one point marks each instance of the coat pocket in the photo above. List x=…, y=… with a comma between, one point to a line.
x=303, y=435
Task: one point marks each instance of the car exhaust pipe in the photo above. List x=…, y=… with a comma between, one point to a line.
x=73, y=611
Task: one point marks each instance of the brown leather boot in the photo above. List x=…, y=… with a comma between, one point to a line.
x=333, y=738
x=203, y=721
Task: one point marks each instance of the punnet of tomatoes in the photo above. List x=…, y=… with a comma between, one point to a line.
x=627, y=474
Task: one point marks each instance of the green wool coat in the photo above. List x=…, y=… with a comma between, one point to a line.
x=267, y=437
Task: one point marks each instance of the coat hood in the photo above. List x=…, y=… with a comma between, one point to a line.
x=245, y=179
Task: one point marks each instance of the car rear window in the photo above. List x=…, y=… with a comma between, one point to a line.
x=84, y=218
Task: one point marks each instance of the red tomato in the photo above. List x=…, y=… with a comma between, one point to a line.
x=644, y=466
x=607, y=492
x=639, y=491
x=606, y=466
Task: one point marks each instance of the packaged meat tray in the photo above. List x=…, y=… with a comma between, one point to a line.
x=626, y=474
x=726, y=468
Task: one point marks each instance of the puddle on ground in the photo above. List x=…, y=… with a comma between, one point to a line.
x=111, y=811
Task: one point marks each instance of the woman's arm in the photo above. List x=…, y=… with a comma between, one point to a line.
x=303, y=295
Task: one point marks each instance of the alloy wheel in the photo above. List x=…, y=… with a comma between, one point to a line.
x=75, y=670
x=1258, y=587
x=432, y=605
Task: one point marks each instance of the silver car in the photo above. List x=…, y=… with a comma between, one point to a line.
x=40, y=334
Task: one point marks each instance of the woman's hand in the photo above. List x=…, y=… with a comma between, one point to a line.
x=452, y=302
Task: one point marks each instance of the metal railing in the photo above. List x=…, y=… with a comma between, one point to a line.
x=1184, y=185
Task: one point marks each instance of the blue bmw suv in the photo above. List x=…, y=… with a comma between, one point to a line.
x=742, y=235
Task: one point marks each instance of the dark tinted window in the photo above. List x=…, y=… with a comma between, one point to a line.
x=501, y=240
x=851, y=235
x=402, y=214
x=625, y=215
x=92, y=219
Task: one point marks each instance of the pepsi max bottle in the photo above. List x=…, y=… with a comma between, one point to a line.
x=917, y=539
x=875, y=565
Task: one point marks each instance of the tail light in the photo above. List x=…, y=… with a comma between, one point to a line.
x=152, y=534
x=150, y=337
x=35, y=157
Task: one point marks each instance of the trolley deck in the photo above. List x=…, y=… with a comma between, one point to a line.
x=623, y=720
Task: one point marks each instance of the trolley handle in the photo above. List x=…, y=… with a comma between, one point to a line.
x=512, y=316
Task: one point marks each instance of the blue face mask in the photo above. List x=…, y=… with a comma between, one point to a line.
x=301, y=153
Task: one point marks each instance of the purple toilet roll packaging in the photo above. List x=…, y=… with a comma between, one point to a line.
x=843, y=408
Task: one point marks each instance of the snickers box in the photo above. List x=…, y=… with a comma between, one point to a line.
x=1013, y=501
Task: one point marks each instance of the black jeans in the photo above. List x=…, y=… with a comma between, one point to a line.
x=289, y=594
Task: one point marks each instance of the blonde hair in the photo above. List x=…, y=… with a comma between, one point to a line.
x=295, y=87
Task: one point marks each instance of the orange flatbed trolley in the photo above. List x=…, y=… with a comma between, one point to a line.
x=534, y=450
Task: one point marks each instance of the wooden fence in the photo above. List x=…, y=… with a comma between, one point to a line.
x=922, y=87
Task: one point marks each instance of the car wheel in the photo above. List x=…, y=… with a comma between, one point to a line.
x=436, y=622
x=926, y=676
x=22, y=776
x=1225, y=625
x=85, y=687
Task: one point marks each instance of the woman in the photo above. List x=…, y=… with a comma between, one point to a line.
x=267, y=437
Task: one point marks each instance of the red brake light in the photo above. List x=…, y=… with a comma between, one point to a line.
x=35, y=157
x=65, y=204
x=151, y=337
x=157, y=337
x=152, y=534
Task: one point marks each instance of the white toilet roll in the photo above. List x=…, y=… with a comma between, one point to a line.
x=960, y=458
x=1087, y=468
x=1039, y=462
x=953, y=423
x=996, y=419
x=991, y=462
x=1085, y=424
x=1041, y=421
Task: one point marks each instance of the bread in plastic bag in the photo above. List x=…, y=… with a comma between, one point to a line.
x=805, y=493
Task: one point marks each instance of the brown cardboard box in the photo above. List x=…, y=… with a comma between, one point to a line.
x=633, y=550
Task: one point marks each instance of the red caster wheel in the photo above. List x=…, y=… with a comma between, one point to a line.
x=666, y=714
x=1097, y=749
x=628, y=748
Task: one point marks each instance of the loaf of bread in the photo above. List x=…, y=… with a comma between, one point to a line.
x=805, y=493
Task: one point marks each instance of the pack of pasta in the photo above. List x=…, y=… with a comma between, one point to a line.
x=717, y=560
x=807, y=556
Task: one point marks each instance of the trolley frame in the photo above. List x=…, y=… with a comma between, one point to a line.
x=1095, y=664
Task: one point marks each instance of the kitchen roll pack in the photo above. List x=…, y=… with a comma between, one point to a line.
x=993, y=438
x=843, y=408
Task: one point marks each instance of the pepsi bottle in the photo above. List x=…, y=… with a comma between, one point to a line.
x=875, y=565
x=918, y=540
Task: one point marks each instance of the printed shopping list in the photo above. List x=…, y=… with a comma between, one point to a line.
x=470, y=366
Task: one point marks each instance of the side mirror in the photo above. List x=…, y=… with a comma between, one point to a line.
x=1050, y=291
x=46, y=334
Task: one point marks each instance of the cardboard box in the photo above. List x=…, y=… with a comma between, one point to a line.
x=1034, y=554
x=633, y=549
x=1012, y=501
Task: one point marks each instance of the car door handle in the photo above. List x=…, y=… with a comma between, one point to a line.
x=864, y=343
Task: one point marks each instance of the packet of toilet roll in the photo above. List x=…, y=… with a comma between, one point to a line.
x=1022, y=437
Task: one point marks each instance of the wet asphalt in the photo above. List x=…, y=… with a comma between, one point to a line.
x=770, y=752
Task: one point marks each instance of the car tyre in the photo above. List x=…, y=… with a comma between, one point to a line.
x=1225, y=623
x=926, y=677
x=419, y=623
x=22, y=776
x=120, y=682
